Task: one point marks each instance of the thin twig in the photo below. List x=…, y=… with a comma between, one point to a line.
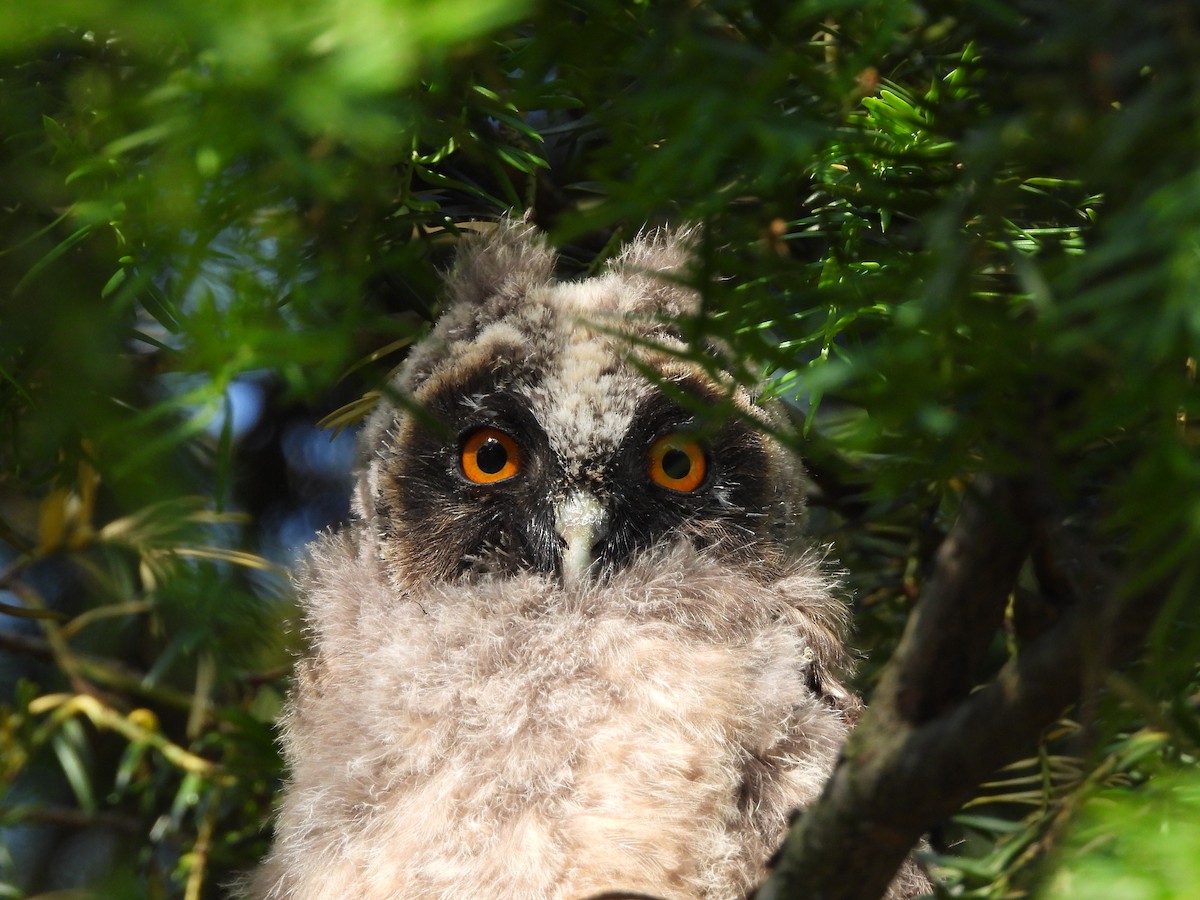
x=67, y=817
x=108, y=672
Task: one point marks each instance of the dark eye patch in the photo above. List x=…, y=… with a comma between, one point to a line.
x=463, y=520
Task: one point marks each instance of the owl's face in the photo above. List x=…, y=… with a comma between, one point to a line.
x=552, y=429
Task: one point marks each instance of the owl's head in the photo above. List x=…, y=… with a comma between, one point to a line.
x=557, y=427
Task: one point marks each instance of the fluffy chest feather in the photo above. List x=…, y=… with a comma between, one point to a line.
x=517, y=739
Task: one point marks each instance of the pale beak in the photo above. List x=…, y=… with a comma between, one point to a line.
x=581, y=521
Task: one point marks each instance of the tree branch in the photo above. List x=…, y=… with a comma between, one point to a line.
x=925, y=744
x=112, y=674
x=961, y=606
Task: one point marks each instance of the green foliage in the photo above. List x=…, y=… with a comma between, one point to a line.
x=199, y=194
x=956, y=238
x=1142, y=845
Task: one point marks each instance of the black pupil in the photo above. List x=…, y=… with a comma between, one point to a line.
x=676, y=464
x=491, y=456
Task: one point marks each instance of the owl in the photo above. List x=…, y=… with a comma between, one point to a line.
x=571, y=644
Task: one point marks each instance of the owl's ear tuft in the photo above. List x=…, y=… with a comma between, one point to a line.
x=663, y=251
x=660, y=262
x=494, y=270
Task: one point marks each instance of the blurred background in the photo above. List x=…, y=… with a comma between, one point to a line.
x=956, y=238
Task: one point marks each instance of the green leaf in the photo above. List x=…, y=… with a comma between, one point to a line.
x=75, y=238
x=70, y=746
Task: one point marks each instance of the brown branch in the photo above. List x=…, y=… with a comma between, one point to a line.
x=66, y=817
x=961, y=606
x=924, y=745
x=110, y=673
x=15, y=642
x=24, y=612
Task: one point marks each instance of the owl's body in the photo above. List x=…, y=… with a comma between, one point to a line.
x=568, y=646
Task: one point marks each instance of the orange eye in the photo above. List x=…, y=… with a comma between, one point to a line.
x=678, y=463
x=489, y=456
